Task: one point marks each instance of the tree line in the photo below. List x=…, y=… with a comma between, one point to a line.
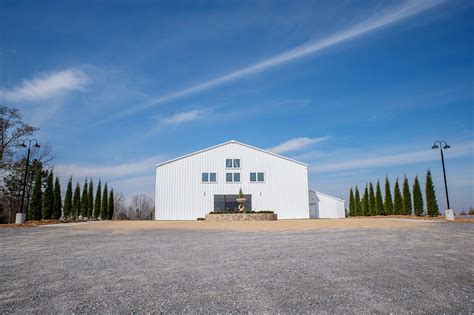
x=42, y=199
x=46, y=202
x=373, y=203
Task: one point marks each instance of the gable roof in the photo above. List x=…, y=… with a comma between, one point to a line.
x=232, y=142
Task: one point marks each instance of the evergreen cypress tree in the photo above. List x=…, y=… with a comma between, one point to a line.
x=407, y=206
x=388, y=204
x=378, y=200
x=351, y=203
x=76, y=202
x=36, y=201
x=397, y=199
x=68, y=200
x=371, y=199
x=104, y=208
x=97, y=201
x=90, y=199
x=417, y=198
x=48, y=198
x=57, y=213
x=431, y=202
x=110, y=211
x=357, y=205
x=84, y=201
x=366, y=202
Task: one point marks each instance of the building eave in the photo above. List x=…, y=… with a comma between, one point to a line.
x=231, y=142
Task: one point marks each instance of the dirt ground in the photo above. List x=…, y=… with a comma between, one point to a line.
x=344, y=266
x=280, y=225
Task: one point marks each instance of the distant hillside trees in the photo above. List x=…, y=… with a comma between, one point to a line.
x=405, y=201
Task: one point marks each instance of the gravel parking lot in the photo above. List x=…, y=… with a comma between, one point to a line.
x=104, y=267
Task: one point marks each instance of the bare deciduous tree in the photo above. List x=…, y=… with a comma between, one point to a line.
x=143, y=207
x=12, y=130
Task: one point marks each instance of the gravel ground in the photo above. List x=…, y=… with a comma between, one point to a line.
x=66, y=269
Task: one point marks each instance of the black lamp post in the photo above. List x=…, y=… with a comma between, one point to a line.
x=26, y=144
x=442, y=145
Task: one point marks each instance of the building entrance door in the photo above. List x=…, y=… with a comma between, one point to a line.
x=229, y=203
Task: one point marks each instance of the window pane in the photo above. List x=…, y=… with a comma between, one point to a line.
x=228, y=163
x=260, y=177
x=228, y=177
x=236, y=163
x=212, y=177
x=236, y=177
x=253, y=177
x=205, y=177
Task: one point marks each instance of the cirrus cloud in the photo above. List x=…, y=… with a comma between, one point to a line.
x=46, y=86
x=296, y=144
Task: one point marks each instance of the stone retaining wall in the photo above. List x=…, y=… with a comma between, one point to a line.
x=241, y=217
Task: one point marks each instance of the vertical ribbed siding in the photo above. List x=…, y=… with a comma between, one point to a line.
x=180, y=195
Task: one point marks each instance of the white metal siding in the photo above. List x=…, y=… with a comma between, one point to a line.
x=330, y=207
x=180, y=194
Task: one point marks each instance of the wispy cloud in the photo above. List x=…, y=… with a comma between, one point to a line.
x=107, y=172
x=46, y=86
x=397, y=14
x=296, y=144
x=457, y=150
x=182, y=117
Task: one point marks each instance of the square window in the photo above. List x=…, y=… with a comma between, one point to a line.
x=212, y=177
x=228, y=177
x=236, y=177
x=253, y=177
x=236, y=163
x=228, y=163
x=261, y=177
x=205, y=177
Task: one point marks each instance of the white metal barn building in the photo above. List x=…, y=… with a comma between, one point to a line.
x=191, y=186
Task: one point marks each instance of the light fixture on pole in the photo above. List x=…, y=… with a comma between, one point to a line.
x=21, y=216
x=441, y=144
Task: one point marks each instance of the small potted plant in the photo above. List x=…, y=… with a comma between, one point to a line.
x=241, y=200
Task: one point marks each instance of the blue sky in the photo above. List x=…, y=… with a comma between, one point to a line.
x=358, y=90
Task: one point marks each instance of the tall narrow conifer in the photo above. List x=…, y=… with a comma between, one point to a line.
x=378, y=200
x=388, y=204
x=76, y=202
x=351, y=203
x=417, y=198
x=371, y=199
x=57, y=202
x=97, y=201
x=397, y=199
x=366, y=202
x=48, y=198
x=431, y=202
x=357, y=205
x=85, y=201
x=110, y=204
x=90, y=199
x=407, y=206
x=104, y=208
x=68, y=200
x=36, y=201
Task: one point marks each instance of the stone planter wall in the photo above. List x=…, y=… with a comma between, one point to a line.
x=241, y=217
